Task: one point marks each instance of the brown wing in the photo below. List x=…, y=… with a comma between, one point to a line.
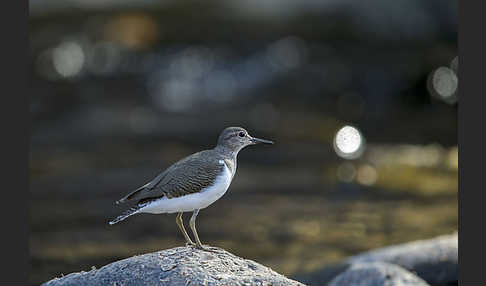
x=190, y=175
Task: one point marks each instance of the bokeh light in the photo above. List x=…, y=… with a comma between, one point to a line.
x=132, y=30
x=349, y=143
x=68, y=58
x=443, y=84
x=367, y=175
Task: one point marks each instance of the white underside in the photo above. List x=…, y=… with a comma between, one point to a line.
x=194, y=201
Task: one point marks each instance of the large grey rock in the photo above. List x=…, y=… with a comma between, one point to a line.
x=377, y=274
x=178, y=266
x=434, y=260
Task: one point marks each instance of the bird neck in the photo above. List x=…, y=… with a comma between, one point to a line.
x=229, y=156
x=227, y=152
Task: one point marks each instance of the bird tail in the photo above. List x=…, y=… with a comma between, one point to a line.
x=130, y=212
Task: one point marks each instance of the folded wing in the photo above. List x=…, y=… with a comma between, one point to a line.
x=184, y=177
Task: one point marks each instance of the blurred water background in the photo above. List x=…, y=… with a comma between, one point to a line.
x=361, y=98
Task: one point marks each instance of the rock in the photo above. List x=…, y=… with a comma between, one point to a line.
x=178, y=266
x=376, y=274
x=434, y=260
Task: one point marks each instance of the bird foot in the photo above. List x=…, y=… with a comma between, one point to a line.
x=207, y=248
x=197, y=246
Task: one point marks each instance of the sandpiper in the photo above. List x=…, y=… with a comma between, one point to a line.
x=192, y=183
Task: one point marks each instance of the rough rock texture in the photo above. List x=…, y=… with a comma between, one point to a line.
x=376, y=274
x=178, y=266
x=434, y=260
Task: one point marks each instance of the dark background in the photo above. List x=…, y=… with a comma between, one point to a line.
x=122, y=89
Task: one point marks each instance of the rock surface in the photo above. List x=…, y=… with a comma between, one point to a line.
x=433, y=260
x=178, y=266
x=376, y=274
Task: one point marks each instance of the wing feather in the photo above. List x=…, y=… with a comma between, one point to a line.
x=189, y=175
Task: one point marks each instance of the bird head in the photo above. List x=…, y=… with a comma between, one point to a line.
x=236, y=138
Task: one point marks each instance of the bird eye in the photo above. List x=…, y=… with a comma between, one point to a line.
x=242, y=134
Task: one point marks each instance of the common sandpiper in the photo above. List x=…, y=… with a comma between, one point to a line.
x=192, y=183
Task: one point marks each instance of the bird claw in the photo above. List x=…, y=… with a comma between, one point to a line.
x=196, y=245
x=207, y=248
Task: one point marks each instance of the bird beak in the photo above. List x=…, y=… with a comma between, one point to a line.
x=258, y=140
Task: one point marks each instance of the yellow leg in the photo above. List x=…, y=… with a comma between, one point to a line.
x=192, y=223
x=181, y=227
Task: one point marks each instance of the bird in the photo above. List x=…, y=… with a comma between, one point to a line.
x=192, y=183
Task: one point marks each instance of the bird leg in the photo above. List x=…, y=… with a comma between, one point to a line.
x=192, y=223
x=181, y=227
